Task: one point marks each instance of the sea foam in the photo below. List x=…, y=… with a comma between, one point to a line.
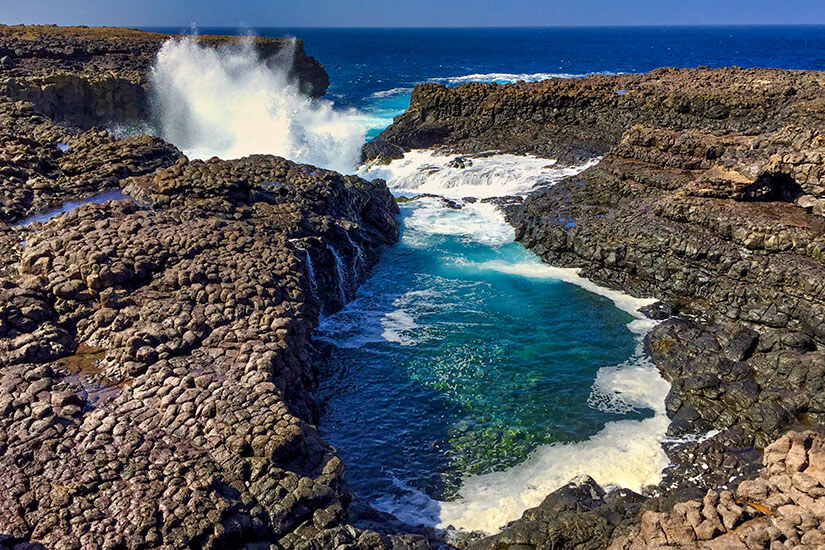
x=228, y=102
x=625, y=453
x=484, y=176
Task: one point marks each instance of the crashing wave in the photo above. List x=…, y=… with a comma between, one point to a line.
x=228, y=102
x=480, y=176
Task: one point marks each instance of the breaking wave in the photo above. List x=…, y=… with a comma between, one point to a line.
x=228, y=102
x=480, y=176
x=504, y=78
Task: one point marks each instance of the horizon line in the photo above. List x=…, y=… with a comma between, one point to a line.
x=424, y=27
x=482, y=27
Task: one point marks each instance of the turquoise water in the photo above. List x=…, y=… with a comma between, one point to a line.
x=460, y=356
x=467, y=380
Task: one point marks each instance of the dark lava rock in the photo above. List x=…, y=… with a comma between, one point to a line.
x=579, y=515
x=382, y=152
x=658, y=311
x=707, y=198
x=87, y=76
x=156, y=376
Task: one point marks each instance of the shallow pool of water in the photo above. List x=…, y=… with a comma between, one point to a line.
x=43, y=217
x=464, y=358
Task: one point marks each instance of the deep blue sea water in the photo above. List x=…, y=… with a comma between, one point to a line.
x=373, y=69
x=467, y=380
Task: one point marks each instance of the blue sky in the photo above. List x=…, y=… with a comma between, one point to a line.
x=412, y=13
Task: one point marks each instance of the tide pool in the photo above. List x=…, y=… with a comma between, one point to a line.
x=465, y=357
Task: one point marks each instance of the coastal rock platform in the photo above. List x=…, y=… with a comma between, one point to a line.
x=709, y=197
x=156, y=358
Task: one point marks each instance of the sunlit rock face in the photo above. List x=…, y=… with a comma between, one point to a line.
x=99, y=76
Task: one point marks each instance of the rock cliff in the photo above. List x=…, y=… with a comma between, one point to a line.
x=86, y=76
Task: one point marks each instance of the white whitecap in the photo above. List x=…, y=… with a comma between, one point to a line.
x=390, y=93
x=474, y=222
x=504, y=78
x=228, y=102
x=397, y=324
x=484, y=176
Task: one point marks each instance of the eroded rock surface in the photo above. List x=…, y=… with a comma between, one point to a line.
x=87, y=76
x=709, y=197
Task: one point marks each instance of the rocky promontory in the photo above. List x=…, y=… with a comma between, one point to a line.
x=579, y=118
x=87, y=76
x=156, y=353
x=710, y=196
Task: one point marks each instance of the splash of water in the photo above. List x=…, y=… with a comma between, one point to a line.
x=480, y=176
x=342, y=274
x=228, y=102
x=358, y=262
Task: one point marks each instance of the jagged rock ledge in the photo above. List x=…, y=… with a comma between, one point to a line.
x=710, y=196
x=93, y=76
x=156, y=358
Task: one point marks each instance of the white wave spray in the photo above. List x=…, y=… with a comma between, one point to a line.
x=504, y=78
x=625, y=453
x=228, y=102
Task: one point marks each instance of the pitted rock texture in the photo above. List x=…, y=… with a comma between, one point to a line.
x=87, y=76
x=783, y=508
x=156, y=369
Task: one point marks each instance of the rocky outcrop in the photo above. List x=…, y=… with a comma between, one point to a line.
x=579, y=515
x=709, y=197
x=156, y=370
x=783, y=508
x=85, y=76
x=575, y=119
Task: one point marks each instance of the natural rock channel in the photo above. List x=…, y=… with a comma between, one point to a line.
x=709, y=197
x=156, y=360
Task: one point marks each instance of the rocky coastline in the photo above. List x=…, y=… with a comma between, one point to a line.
x=156, y=354
x=709, y=197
